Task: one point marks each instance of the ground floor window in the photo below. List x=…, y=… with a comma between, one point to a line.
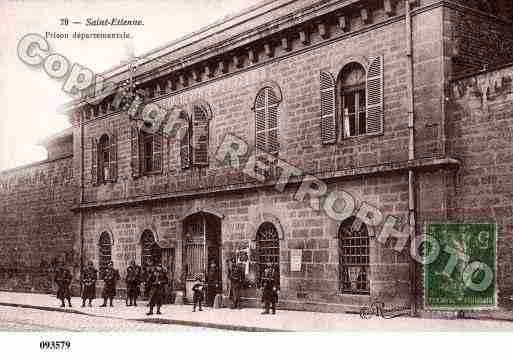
x=354, y=257
x=268, y=249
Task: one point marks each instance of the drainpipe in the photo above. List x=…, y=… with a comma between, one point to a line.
x=411, y=154
x=81, y=197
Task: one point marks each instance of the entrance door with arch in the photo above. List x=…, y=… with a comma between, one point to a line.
x=201, y=247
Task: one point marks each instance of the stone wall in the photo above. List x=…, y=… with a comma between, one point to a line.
x=36, y=224
x=481, y=136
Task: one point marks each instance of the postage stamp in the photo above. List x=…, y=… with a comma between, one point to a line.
x=463, y=275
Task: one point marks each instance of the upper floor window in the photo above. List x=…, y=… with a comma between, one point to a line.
x=104, y=159
x=352, y=100
x=267, y=129
x=194, y=143
x=146, y=152
x=353, y=105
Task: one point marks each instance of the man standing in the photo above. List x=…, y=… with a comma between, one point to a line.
x=212, y=284
x=236, y=280
x=89, y=277
x=133, y=274
x=110, y=277
x=63, y=280
x=158, y=282
x=269, y=289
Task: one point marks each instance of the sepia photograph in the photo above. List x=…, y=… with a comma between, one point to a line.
x=212, y=170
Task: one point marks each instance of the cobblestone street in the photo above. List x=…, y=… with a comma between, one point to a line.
x=26, y=319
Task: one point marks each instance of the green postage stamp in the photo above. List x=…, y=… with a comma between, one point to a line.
x=462, y=274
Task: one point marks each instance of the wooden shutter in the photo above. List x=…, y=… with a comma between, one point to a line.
x=135, y=158
x=113, y=157
x=185, y=147
x=94, y=161
x=266, y=128
x=200, y=125
x=328, y=113
x=157, y=151
x=375, y=96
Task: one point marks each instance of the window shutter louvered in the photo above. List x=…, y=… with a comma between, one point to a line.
x=375, y=96
x=328, y=117
x=94, y=161
x=113, y=165
x=157, y=151
x=185, y=149
x=266, y=128
x=200, y=127
x=135, y=158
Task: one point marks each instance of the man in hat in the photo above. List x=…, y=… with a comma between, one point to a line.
x=212, y=284
x=133, y=277
x=158, y=282
x=269, y=289
x=110, y=278
x=63, y=280
x=89, y=277
x=236, y=276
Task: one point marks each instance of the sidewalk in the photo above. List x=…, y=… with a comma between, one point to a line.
x=250, y=319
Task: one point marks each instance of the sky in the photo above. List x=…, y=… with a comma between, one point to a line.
x=29, y=98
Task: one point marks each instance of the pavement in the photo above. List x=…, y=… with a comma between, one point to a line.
x=250, y=319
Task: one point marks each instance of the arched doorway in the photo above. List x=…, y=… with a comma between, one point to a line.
x=268, y=249
x=354, y=254
x=201, y=247
x=151, y=251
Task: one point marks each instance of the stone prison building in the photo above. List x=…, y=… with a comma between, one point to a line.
x=405, y=105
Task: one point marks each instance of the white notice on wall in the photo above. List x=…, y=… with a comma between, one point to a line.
x=295, y=260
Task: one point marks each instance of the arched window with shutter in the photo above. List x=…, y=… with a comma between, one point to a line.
x=200, y=134
x=267, y=140
x=104, y=155
x=194, y=144
x=104, y=166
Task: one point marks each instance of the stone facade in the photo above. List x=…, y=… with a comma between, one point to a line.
x=285, y=49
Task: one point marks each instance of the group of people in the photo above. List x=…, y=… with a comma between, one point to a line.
x=155, y=279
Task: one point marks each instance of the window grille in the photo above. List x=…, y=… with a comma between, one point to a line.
x=354, y=258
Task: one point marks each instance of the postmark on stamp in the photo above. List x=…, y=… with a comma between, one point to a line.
x=463, y=276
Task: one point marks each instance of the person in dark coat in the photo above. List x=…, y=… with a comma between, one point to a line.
x=133, y=277
x=110, y=278
x=158, y=280
x=212, y=284
x=147, y=276
x=236, y=280
x=197, y=296
x=269, y=289
x=89, y=277
x=63, y=280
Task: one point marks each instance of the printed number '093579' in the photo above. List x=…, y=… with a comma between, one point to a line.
x=54, y=345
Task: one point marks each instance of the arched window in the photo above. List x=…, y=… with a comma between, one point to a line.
x=151, y=251
x=354, y=257
x=352, y=105
x=195, y=142
x=267, y=129
x=104, y=159
x=352, y=97
x=105, y=251
x=268, y=249
x=146, y=152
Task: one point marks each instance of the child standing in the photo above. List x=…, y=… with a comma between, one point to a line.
x=197, y=297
